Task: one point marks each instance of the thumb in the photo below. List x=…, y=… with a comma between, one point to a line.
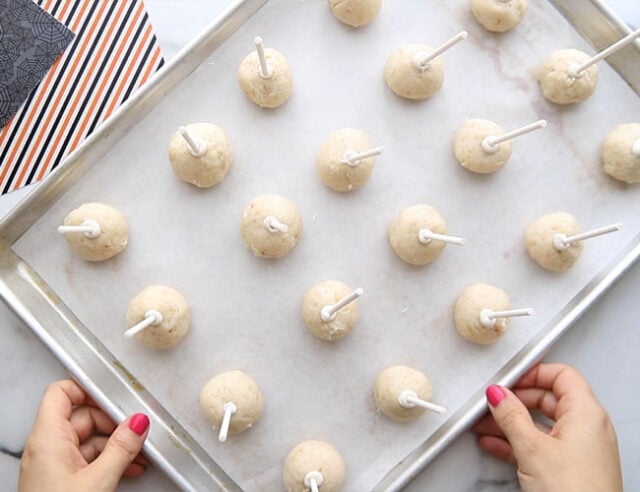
x=513, y=418
x=120, y=450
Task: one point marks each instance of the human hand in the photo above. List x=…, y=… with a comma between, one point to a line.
x=68, y=449
x=578, y=454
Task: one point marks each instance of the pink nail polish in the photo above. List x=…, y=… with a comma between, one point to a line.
x=494, y=395
x=139, y=423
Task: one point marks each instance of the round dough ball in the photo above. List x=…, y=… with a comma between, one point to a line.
x=538, y=240
x=270, y=92
x=467, y=311
x=176, y=316
x=327, y=293
x=557, y=83
x=355, y=13
x=313, y=456
x=259, y=238
x=235, y=387
x=618, y=160
x=404, y=231
x=113, y=237
x=336, y=174
x=208, y=169
x=391, y=382
x=467, y=146
x=499, y=15
x=407, y=80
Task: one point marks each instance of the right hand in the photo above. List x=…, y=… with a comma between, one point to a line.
x=578, y=454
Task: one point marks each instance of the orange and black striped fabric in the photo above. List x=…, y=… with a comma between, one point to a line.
x=113, y=53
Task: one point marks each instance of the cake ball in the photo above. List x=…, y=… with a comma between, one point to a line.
x=468, y=312
x=408, y=77
x=558, y=81
x=499, y=15
x=472, y=154
x=335, y=162
x=105, y=234
x=621, y=153
x=313, y=459
x=269, y=89
x=170, y=327
x=355, y=13
x=393, y=382
x=200, y=154
x=271, y=226
x=232, y=387
x=539, y=241
x=323, y=325
x=409, y=243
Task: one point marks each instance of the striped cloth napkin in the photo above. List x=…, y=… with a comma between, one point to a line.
x=113, y=53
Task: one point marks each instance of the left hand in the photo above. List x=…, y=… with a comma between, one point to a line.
x=69, y=448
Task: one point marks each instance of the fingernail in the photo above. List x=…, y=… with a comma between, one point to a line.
x=139, y=423
x=494, y=395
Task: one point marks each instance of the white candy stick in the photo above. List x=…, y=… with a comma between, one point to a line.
x=273, y=225
x=197, y=146
x=266, y=70
x=490, y=144
x=353, y=158
x=229, y=410
x=421, y=60
x=488, y=316
x=151, y=318
x=425, y=236
x=635, y=148
x=313, y=480
x=327, y=313
x=409, y=399
x=576, y=69
x=562, y=241
x=89, y=228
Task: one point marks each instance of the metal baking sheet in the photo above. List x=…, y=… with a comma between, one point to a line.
x=246, y=310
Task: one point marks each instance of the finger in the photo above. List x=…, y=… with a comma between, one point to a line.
x=120, y=450
x=92, y=447
x=561, y=379
x=58, y=402
x=514, y=420
x=498, y=447
x=487, y=426
x=86, y=420
x=134, y=470
x=539, y=399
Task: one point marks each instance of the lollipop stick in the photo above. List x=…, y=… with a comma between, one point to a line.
x=425, y=236
x=421, y=60
x=90, y=228
x=327, y=313
x=562, y=242
x=151, y=317
x=488, y=317
x=266, y=71
x=576, y=70
x=197, y=146
x=229, y=410
x=635, y=149
x=313, y=480
x=353, y=158
x=490, y=144
x=273, y=225
x=409, y=399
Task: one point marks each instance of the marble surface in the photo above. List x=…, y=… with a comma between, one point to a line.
x=603, y=344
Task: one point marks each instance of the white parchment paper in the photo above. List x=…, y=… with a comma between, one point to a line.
x=246, y=310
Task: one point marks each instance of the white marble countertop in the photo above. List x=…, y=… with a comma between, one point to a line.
x=603, y=344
